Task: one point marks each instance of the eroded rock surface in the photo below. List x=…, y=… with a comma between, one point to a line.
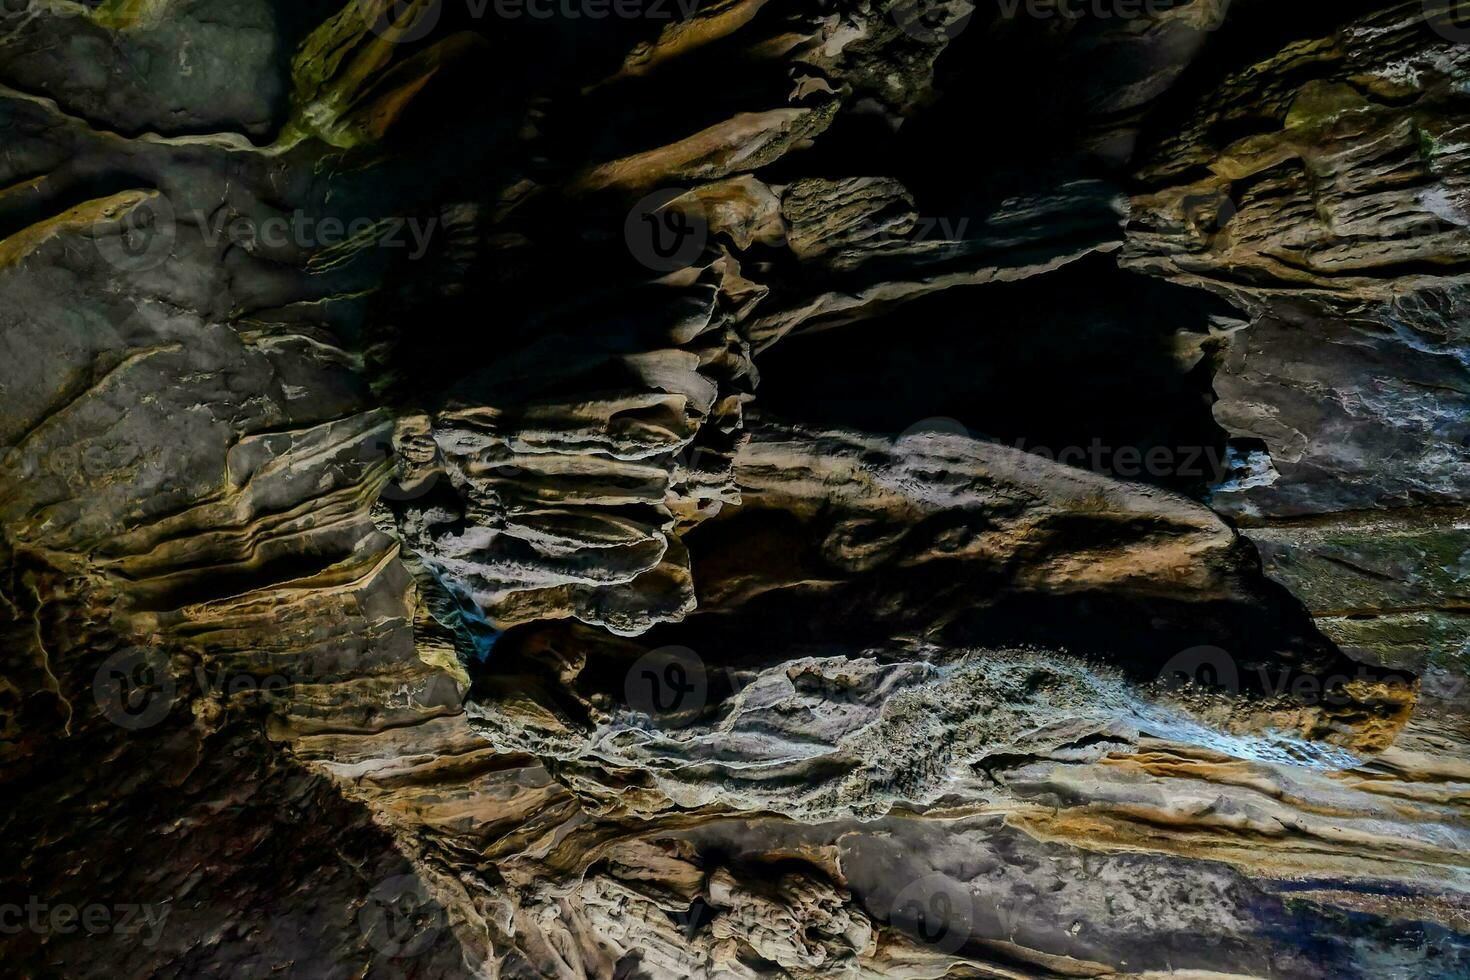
x=740, y=489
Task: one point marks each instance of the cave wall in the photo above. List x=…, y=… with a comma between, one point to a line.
x=734, y=489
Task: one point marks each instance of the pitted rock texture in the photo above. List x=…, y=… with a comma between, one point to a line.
x=737, y=490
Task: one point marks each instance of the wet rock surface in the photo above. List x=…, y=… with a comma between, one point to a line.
x=734, y=489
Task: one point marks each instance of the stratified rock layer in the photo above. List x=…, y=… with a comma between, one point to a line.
x=737, y=493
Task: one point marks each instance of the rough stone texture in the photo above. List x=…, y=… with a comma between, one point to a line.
x=1339, y=225
x=510, y=496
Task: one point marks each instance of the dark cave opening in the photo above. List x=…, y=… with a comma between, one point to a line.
x=1082, y=365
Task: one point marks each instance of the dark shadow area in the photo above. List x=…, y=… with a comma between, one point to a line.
x=1254, y=31
x=1082, y=365
x=967, y=603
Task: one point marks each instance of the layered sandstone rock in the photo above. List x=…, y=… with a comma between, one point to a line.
x=498, y=495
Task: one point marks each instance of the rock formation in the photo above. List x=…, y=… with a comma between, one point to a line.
x=725, y=488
